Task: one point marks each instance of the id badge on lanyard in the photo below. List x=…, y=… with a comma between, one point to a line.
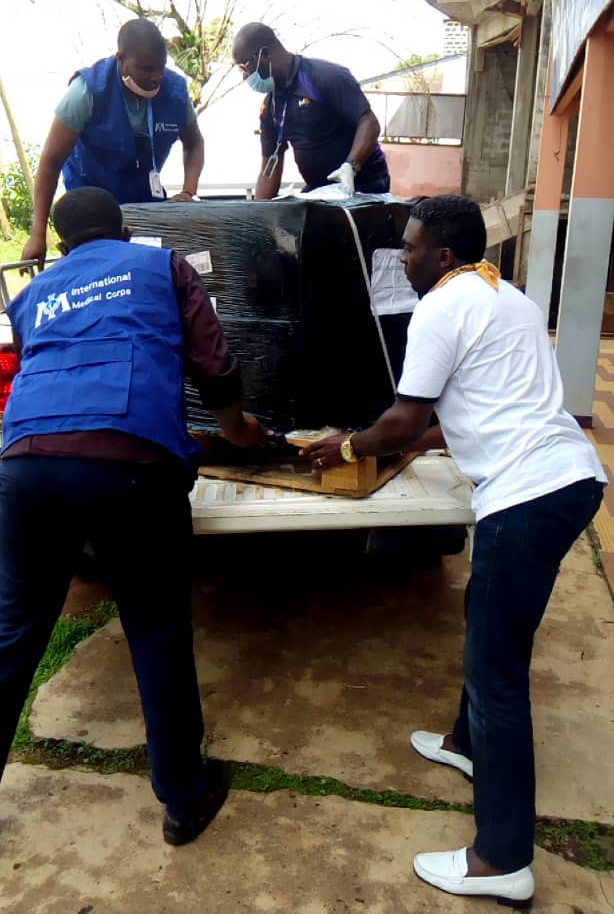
x=272, y=161
x=155, y=184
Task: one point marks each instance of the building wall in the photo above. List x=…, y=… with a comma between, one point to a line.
x=488, y=121
x=417, y=169
x=455, y=38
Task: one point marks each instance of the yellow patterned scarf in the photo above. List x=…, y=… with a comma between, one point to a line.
x=488, y=272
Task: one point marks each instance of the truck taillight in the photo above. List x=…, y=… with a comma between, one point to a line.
x=9, y=366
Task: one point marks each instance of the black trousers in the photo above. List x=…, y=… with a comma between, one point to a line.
x=137, y=518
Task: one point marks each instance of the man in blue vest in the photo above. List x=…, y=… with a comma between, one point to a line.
x=317, y=107
x=114, y=129
x=96, y=449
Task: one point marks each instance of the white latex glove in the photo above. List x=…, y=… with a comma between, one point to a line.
x=344, y=175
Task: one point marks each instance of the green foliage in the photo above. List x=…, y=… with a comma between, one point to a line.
x=194, y=51
x=201, y=43
x=414, y=60
x=15, y=194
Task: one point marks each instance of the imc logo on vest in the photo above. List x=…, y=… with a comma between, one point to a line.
x=161, y=127
x=50, y=307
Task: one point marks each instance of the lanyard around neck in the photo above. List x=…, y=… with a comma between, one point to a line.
x=282, y=123
x=150, y=130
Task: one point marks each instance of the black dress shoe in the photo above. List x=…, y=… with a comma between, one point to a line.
x=182, y=831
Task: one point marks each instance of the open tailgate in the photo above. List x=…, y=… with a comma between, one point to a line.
x=430, y=491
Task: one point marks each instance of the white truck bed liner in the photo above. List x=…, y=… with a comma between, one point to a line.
x=430, y=491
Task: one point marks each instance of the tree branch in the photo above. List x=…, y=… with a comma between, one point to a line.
x=213, y=93
x=348, y=33
x=176, y=15
x=202, y=42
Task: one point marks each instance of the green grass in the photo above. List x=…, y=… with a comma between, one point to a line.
x=61, y=753
x=593, y=537
x=597, y=560
x=66, y=635
x=266, y=779
x=10, y=250
x=588, y=844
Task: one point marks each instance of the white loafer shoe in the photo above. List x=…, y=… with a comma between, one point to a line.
x=429, y=745
x=448, y=871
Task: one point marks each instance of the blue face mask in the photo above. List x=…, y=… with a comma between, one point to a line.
x=260, y=83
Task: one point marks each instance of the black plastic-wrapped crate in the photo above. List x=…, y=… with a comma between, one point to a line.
x=291, y=296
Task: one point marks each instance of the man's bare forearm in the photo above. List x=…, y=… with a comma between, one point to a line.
x=193, y=162
x=396, y=430
x=268, y=187
x=430, y=440
x=365, y=138
x=45, y=185
x=230, y=418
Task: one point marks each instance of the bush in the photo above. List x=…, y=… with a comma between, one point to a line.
x=15, y=194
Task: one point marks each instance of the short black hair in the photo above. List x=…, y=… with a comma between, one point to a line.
x=140, y=34
x=85, y=214
x=454, y=222
x=253, y=36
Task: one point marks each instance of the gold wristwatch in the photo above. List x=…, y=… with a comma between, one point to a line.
x=347, y=450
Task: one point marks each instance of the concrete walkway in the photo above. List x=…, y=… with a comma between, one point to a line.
x=78, y=843
x=331, y=681
x=602, y=436
x=325, y=679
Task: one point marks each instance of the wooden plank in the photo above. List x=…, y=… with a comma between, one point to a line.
x=495, y=28
x=501, y=218
x=356, y=480
x=519, y=244
x=570, y=93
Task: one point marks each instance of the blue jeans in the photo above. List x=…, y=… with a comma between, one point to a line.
x=137, y=518
x=516, y=558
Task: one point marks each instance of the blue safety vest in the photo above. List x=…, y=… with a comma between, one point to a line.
x=105, y=155
x=102, y=348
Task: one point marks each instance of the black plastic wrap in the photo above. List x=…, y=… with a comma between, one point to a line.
x=291, y=297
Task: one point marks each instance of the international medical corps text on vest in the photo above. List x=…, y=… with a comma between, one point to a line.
x=102, y=348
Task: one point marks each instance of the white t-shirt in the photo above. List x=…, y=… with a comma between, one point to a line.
x=486, y=357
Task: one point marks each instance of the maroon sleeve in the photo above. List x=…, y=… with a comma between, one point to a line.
x=208, y=363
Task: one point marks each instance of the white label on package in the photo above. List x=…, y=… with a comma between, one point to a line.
x=392, y=291
x=144, y=239
x=201, y=262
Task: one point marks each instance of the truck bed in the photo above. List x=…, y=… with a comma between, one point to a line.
x=430, y=491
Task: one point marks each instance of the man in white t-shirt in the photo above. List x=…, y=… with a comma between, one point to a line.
x=479, y=354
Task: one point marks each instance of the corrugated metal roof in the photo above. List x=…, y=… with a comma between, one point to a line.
x=413, y=69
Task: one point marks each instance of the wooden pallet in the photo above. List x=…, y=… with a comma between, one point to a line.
x=356, y=480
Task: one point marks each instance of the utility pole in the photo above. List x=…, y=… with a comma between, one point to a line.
x=19, y=147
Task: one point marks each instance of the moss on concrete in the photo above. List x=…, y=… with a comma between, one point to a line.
x=66, y=635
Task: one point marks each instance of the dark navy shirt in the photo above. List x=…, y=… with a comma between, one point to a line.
x=325, y=104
